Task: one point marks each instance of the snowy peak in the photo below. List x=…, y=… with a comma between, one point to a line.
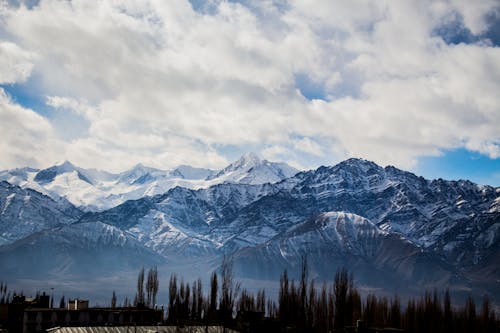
x=359, y=163
x=93, y=189
x=189, y=172
x=250, y=169
x=48, y=175
x=140, y=174
x=243, y=164
x=358, y=168
x=248, y=160
x=17, y=176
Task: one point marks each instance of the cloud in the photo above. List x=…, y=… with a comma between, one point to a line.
x=27, y=138
x=15, y=63
x=164, y=83
x=308, y=146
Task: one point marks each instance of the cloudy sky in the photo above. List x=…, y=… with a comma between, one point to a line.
x=108, y=84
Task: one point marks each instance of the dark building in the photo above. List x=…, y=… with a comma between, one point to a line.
x=12, y=314
x=39, y=320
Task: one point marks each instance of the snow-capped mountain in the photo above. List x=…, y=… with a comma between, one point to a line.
x=333, y=240
x=94, y=190
x=76, y=250
x=25, y=211
x=387, y=225
x=250, y=169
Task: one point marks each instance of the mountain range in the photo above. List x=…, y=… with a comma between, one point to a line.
x=91, y=190
x=394, y=230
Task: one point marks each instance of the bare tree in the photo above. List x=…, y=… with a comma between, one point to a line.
x=229, y=289
x=152, y=285
x=140, y=288
x=212, y=309
x=172, y=295
x=113, y=300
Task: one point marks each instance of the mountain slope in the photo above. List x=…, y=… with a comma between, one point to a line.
x=336, y=239
x=25, y=211
x=77, y=250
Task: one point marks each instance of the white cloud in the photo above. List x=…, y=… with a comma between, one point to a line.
x=474, y=13
x=15, y=63
x=160, y=83
x=308, y=146
x=70, y=104
x=27, y=138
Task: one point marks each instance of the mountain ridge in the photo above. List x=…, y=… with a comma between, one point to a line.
x=394, y=226
x=95, y=190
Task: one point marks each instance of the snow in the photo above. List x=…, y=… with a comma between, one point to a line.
x=213, y=212
x=104, y=190
x=8, y=202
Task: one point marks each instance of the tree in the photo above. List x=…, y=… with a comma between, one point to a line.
x=212, y=309
x=152, y=285
x=172, y=296
x=448, y=313
x=395, y=313
x=62, y=303
x=113, y=300
x=284, y=298
x=140, y=289
x=340, y=289
x=304, y=272
x=470, y=314
x=261, y=301
x=229, y=290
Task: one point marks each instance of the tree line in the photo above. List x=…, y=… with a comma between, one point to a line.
x=303, y=306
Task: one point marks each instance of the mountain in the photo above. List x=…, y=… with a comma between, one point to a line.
x=77, y=250
x=189, y=172
x=94, y=190
x=140, y=174
x=49, y=175
x=25, y=211
x=391, y=227
x=333, y=240
x=250, y=169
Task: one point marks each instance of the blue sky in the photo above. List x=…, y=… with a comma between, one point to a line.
x=461, y=164
x=411, y=84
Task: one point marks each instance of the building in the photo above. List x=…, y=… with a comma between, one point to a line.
x=78, y=304
x=40, y=319
x=143, y=329
x=12, y=314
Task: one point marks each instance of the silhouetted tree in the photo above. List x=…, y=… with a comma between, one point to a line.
x=229, y=290
x=152, y=285
x=140, y=289
x=213, y=296
x=448, y=316
x=261, y=301
x=113, y=300
x=340, y=290
x=172, y=296
x=395, y=313
x=284, y=298
x=62, y=303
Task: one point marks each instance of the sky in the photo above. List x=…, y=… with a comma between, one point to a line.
x=109, y=84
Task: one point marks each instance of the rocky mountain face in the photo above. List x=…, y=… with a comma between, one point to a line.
x=25, y=211
x=390, y=227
